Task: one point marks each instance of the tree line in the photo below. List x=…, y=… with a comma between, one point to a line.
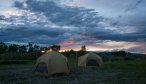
x=31, y=47
x=32, y=51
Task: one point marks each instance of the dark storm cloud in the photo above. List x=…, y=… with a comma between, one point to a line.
x=115, y=36
x=86, y=21
x=2, y=17
x=64, y=15
x=134, y=6
x=80, y=18
x=24, y=34
x=47, y=22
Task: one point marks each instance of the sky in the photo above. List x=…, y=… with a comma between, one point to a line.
x=101, y=25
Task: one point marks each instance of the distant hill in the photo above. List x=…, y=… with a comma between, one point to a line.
x=109, y=53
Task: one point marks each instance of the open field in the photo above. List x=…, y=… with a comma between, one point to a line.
x=117, y=72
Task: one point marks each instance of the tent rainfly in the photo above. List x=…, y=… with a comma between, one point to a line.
x=90, y=59
x=52, y=63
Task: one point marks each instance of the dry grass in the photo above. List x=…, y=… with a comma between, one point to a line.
x=120, y=72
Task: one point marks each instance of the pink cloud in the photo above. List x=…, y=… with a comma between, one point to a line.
x=68, y=43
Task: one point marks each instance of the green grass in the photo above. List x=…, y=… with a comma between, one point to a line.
x=116, y=72
x=15, y=64
x=130, y=72
x=12, y=62
x=126, y=65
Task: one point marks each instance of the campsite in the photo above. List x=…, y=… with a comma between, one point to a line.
x=112, y=72
x=72, y=41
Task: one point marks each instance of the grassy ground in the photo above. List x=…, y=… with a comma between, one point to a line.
x=117, y=72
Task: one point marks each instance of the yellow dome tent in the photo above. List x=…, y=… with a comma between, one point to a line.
x=90, y=59
x=51, y=63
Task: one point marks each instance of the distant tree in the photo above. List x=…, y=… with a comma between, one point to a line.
x=36, y=47
x=3, y=47
x=72, y=51
x=83, y=48
x=31, y=48
x=120, y=53
x=30, y=44
x=82, y=51
x=13, y=48
x=22, y=49
x=55, y=47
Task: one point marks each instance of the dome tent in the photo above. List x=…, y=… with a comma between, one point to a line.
x=90, y=59
x=51, y=63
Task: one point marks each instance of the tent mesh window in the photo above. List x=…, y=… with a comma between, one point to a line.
x=42, y=68
x=92, y=62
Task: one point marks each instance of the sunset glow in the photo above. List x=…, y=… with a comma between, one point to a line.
x=73, y=23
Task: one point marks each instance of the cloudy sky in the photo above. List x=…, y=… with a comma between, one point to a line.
x=101, y=25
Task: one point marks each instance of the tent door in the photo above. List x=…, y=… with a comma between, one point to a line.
x=92, y=62
x=42, y=68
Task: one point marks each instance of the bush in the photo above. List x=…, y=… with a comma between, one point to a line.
x=7, y=62
x=20, y=56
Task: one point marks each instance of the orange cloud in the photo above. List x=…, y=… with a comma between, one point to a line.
x=68, y=43
x=104, y=46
